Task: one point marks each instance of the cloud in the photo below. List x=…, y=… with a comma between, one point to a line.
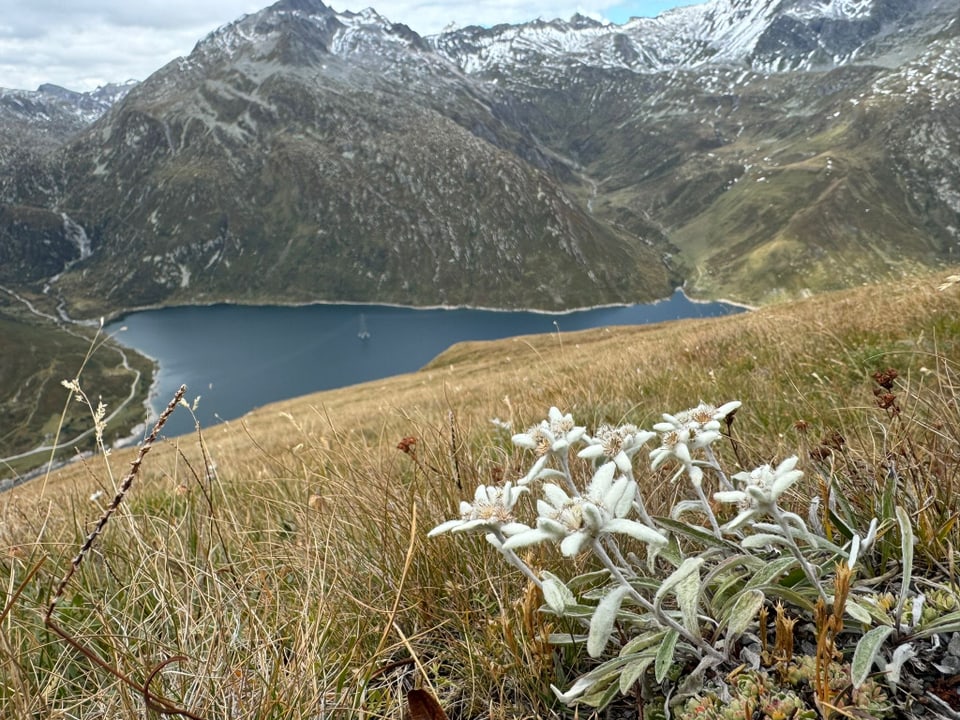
x=85, y=43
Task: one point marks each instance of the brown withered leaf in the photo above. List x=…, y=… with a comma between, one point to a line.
x=424, y=706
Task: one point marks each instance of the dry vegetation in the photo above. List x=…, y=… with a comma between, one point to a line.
x=281, y=560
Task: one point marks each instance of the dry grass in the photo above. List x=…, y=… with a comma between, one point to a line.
x=283, y=556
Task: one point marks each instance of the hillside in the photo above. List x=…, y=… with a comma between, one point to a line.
x=38, y=355
x=294, y=538
x=753, y=150
x=778, y=355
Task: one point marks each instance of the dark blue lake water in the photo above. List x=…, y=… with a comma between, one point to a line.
x=239, y=357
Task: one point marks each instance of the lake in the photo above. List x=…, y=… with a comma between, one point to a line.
x=240, y=357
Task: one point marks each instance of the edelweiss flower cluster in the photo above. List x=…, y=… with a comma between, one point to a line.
x=667, y=614
x=491, y=511
x=760, y=491
x=577, y=520
x=551, y=438
x=619, y=444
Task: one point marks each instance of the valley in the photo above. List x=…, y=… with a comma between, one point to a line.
x=759, y=152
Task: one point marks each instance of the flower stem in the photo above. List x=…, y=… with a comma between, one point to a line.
x=708, y=510
x=514, y=560
x=662, y=618
x=715, y=464
x=794, y=548
x=567, y=477
x=615, y=549
x=641, y=506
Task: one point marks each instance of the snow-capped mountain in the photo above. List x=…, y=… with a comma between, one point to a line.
x=58, y=105
x=763, y=35
x=43, y=119
x=753, y=148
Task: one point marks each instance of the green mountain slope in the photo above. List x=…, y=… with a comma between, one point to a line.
x=300, y=154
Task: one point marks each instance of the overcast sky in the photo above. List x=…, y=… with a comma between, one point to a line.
x=82, y=44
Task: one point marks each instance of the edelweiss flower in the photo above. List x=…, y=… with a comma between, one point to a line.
x=574, y=522
x=705, y=412
x=674, y=443
x=490, y=511
x=552, y=436
x=760, y=490
x=616, y=443
x=691, y=429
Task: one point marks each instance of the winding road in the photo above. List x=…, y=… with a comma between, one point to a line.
x=64, y=322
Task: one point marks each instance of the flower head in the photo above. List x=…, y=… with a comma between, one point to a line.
x=553, y=435
x=760, y=489
x=576, y=521
x=490, y=511
x=686, y=431
x=619, y=444
x=706, y=413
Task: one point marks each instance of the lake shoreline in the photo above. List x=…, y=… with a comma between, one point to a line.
x=118, y=315
x=240, y=356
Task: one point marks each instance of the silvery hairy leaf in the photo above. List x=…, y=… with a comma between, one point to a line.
x=604, y=618
x=866, y=653
x=906, y=551
x=557, y=595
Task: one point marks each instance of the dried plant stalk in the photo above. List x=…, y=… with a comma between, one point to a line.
x=153, y=701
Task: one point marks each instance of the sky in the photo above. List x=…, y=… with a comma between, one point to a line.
x=83, y=44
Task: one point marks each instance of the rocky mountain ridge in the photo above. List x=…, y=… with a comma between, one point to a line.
x=763, y=35
x=754, y=149
x=51, y=114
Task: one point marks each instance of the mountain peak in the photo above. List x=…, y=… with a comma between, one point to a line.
x=580, y=21
x=310, y=7
x=763, y=35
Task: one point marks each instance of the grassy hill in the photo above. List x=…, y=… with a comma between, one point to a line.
x=281, y=559
x=35, y=409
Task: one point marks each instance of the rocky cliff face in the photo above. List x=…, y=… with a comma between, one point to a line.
x=756, y=149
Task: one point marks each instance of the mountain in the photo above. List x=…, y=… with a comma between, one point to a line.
x=45, y=118
x=756, y=149
x=765, y=35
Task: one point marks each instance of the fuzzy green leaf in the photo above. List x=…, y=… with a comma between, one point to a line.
x=688, y=567
x=602, y=698
x=858, y=612
x=604, y=617
x=790, y=596
x=771, y=571
x=557, y=595
x=633, y=672
x=866, y=653
x=581, y=583
x=642, y=642
x=566, y=639
x=760, y=540
x=744, y=609
x=665, y=655
x=688, y=598
x=906, y=553
x=695, y=533
x=949, y=623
